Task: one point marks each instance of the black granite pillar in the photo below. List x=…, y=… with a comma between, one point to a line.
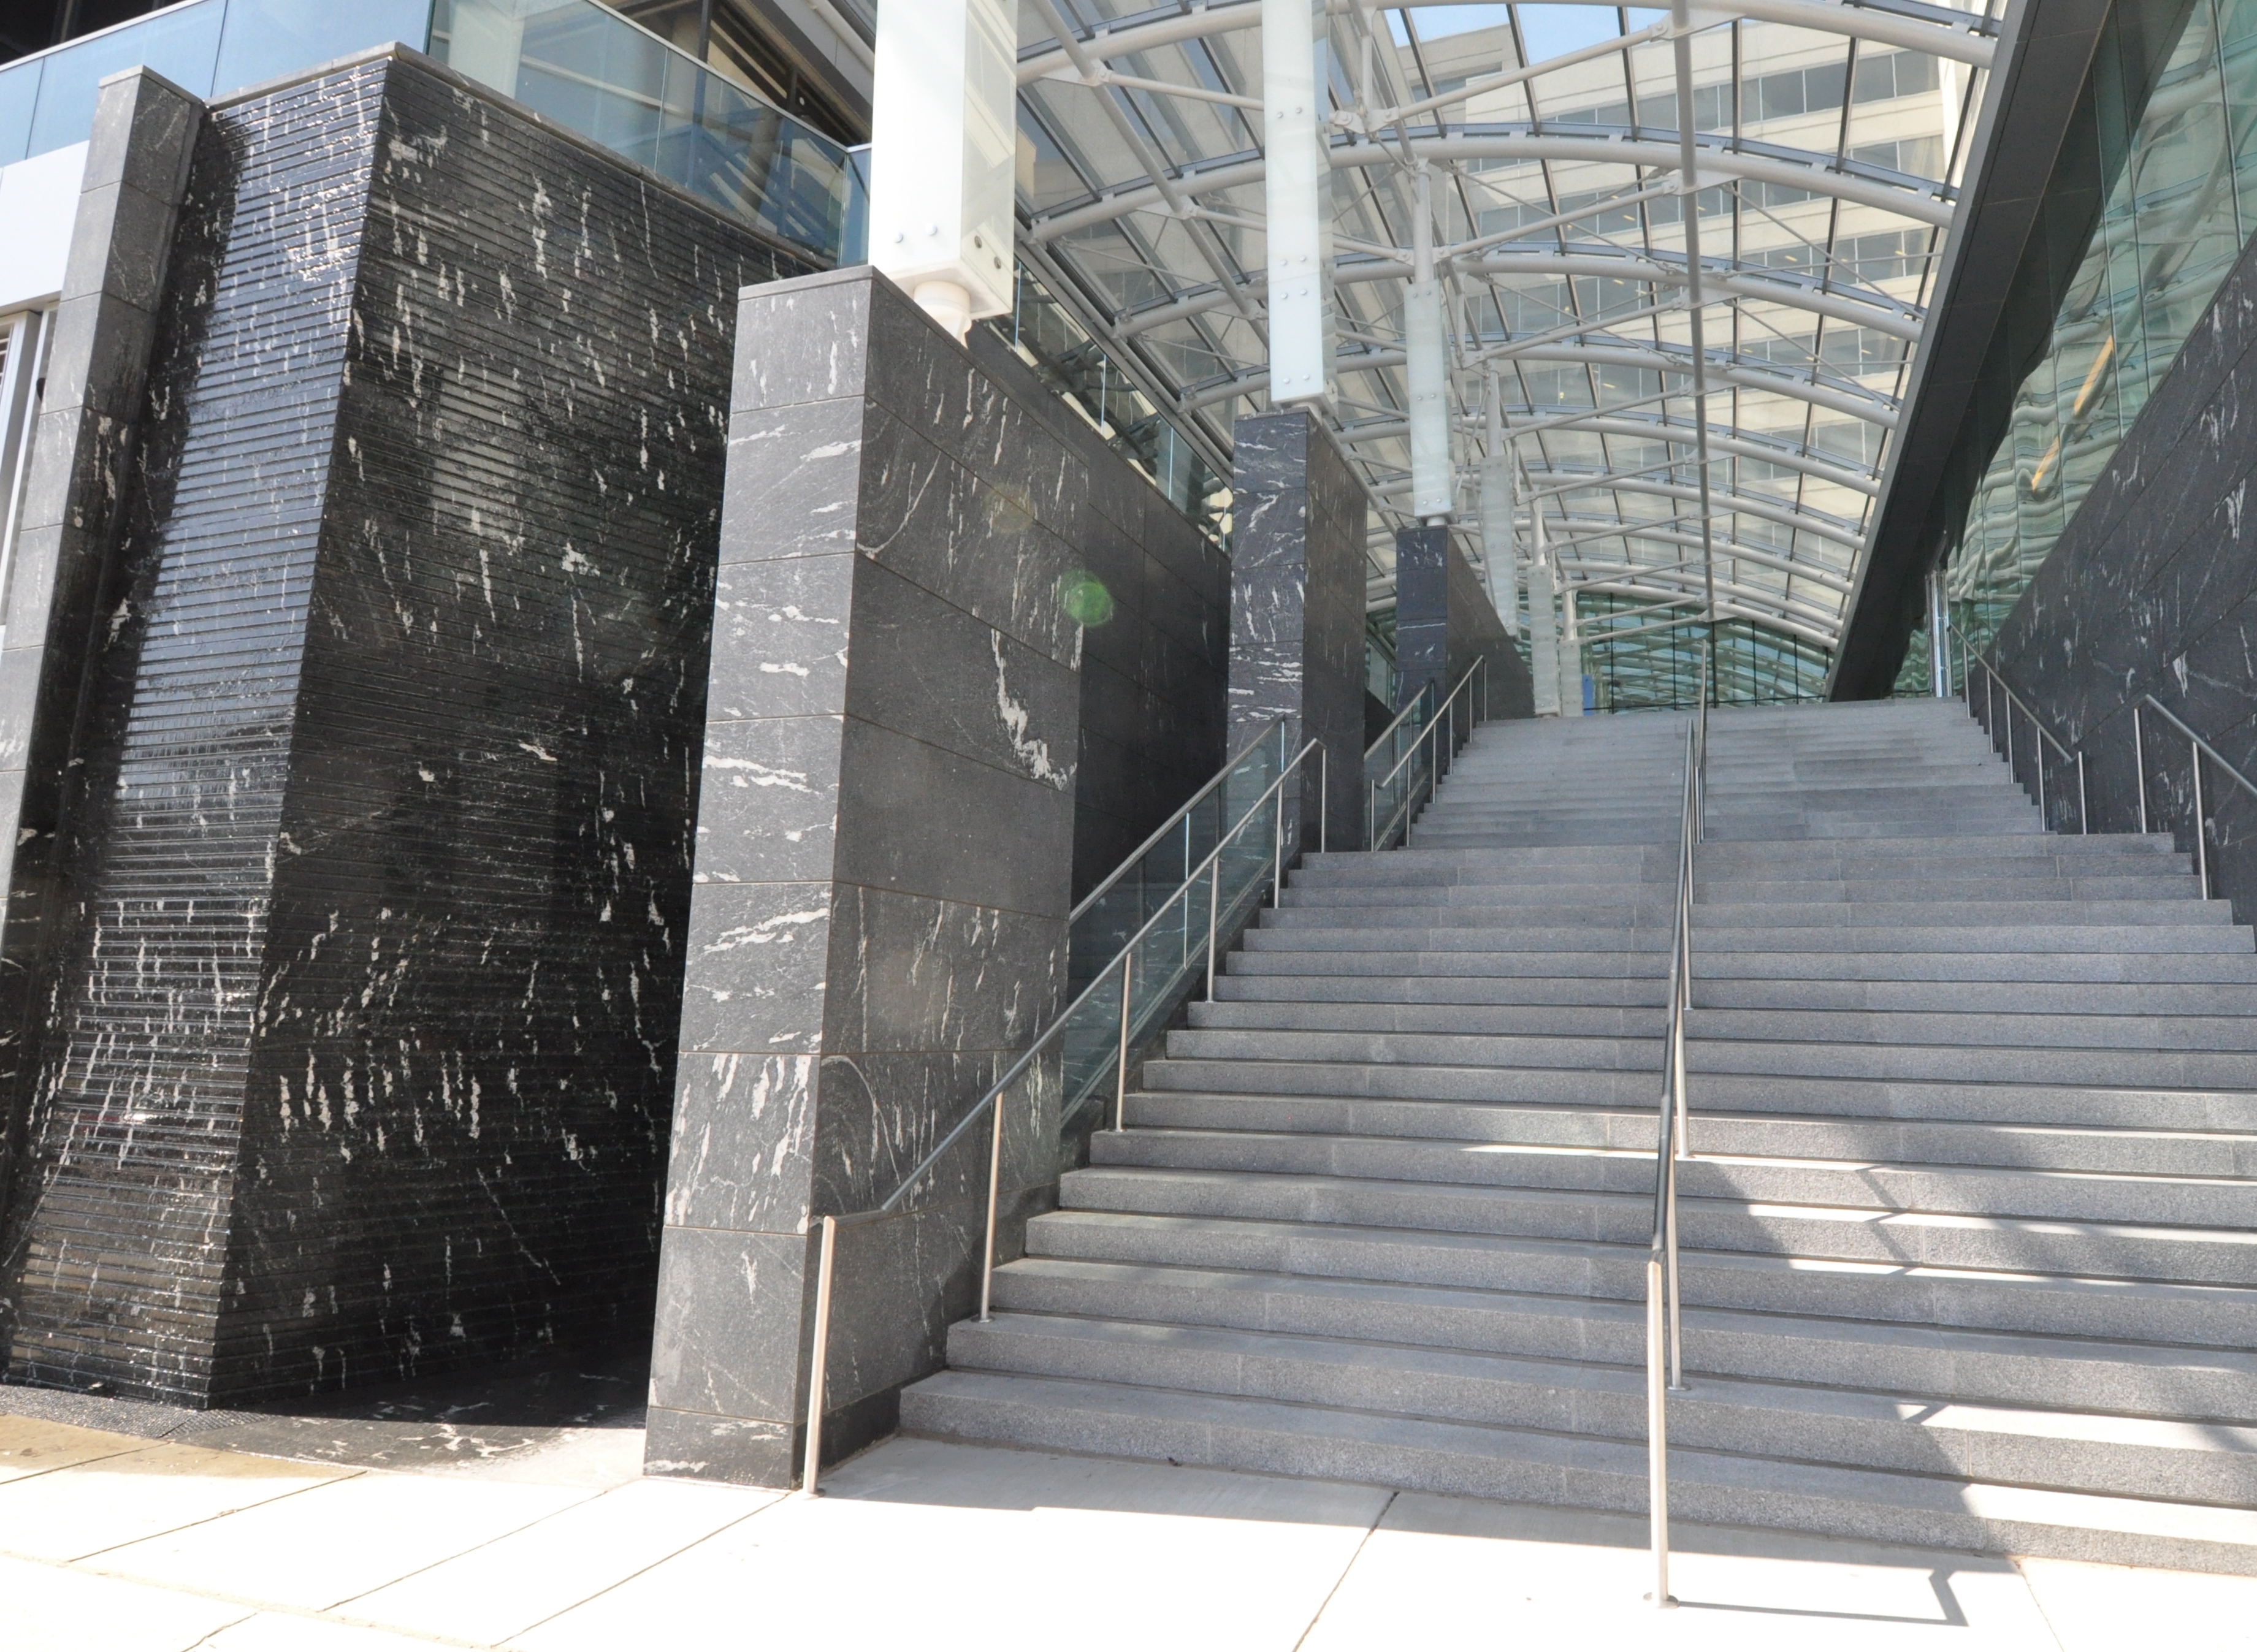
x=1297, y=604
x=358, y=1042
x=885, y=843
x=81, y=467
x=1422, y=613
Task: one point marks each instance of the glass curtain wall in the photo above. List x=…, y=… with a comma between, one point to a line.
x=2181, y=203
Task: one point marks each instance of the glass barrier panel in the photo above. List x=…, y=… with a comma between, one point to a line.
x=182, y=44
x=19, y=97
x=592, y=71
x=266, y=39
x=1104, y=928
x=1091, y=1039
x=854, y=241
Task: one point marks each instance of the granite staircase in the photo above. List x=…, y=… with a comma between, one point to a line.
x=1970, y=1240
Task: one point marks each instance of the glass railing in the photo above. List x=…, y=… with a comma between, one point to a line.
x=1124, y=902
x=587, y=69
x=1414, y=755
x=580, y=64
x=1028, y=1131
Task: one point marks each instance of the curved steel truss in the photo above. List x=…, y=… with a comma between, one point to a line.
x=1827, y=141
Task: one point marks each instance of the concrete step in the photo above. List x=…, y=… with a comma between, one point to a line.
x=2009, y=1030
x=2101, y=1106
x=1845, y=970
x=2067, y=1451
x=2114, y=1151
x=2164, y=1032
x=2036, y=846
x=2165, y=1068
x=2124, y=1310
x=1717, y=940
x=1531, y=1465
x=1717, y=921
x=1724, y=895
x=1713, y=992
x=1927, y=1187
x=2017, y=1369
x=1854, y=1234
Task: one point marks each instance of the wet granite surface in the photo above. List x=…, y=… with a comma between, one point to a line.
x=483, y=1419
x=366, y=1007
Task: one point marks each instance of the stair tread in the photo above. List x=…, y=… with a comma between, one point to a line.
x=2186, y=1522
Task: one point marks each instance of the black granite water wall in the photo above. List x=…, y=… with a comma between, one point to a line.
x=1156, y=652
x=365, y=1054
x=2153, y=589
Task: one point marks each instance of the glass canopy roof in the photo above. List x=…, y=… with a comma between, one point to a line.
x=1829, y=140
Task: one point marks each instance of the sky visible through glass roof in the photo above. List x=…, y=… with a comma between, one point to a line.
x=1830, y=140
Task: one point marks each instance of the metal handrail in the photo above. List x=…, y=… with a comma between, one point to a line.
x=1665, y=1352
x=1174, y=820
x=1995, y=684
x=1124, y=961
x=1417, y=700
x=2199, y=749
x=1445, y=715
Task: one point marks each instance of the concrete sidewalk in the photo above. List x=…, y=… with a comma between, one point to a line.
x=113, y=1543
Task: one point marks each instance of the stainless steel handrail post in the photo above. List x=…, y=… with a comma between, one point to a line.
x=1656, y=1450
x=2084, y=809
x=1120, y=1075
x=1213, y=909
x=2201, y=831
x=1277, y=853
x=2139, y=763
x=811, y=1469
x=995, y=1187
x=1324, y=799
x=2045, y=819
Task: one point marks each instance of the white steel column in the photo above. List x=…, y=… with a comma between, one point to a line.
x=1939, y=620
x=1688, y=189
x=1543, y=617
x=1571, y=652
x=944, y=148
x=1298, y=204
x=1432, y=480
x=1500, y=556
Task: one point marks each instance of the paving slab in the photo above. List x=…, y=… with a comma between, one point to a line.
x=923, y=1544
x=138, y=1494
x=52, y=1608
x=2100, y=1608
x=340, y=1541
x=1442, y=1573
x=507, y=1587
x=29, y=1446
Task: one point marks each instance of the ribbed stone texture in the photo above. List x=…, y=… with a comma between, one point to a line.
x=885, y=845
x=144, y=134
x=1297, y=604
x=365, y=1034
x=1444, y=622
x=2153, y=589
